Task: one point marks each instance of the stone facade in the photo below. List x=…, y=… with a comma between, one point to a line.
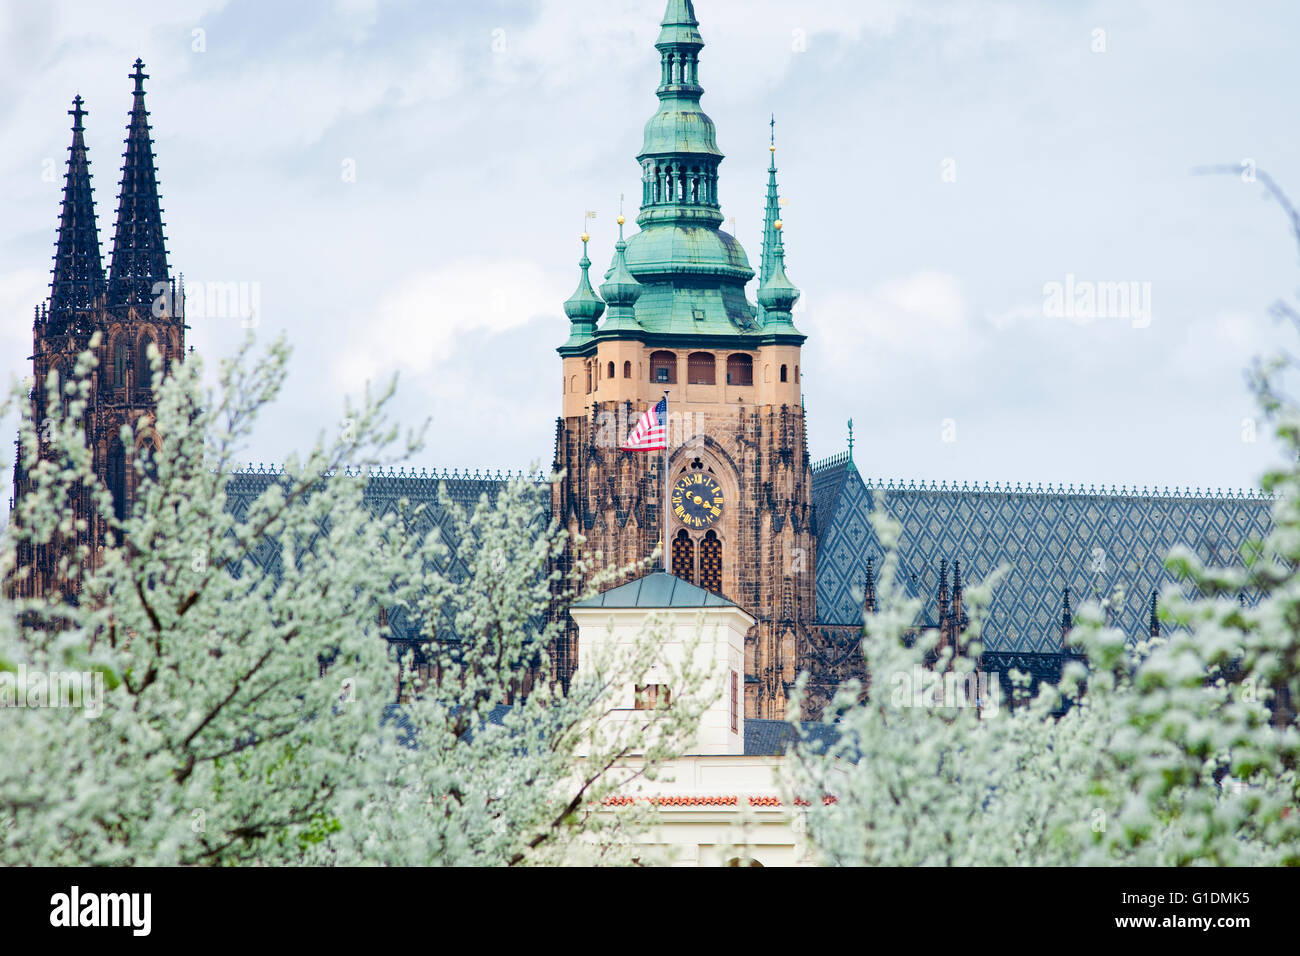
x=758, y=455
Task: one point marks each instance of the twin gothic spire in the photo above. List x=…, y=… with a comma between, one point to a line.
x=78, y=269
x=139, y=257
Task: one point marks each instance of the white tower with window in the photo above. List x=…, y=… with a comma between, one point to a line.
x=715, y=625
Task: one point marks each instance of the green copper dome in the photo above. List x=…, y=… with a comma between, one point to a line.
x=668, y=250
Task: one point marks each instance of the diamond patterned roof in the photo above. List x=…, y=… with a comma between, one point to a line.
x=1049, y=538
x=383, y=492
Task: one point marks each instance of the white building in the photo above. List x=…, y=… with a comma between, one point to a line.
x=721, y=803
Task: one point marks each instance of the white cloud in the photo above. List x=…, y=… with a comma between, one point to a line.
x=415, y=326
x=923, y=314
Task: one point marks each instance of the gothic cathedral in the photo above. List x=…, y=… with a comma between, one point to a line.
x=138, y=306
x=677, y=323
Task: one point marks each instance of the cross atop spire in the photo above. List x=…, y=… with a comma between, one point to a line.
x=139, y=252
x=78, y=270
x=139, y=76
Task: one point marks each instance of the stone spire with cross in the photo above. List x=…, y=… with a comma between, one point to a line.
x=139, y=250
x=78, y=280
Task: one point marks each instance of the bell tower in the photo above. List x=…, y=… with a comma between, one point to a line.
x=139, y=305
x=678, y=322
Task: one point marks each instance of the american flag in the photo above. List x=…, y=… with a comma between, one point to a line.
x=651, y=432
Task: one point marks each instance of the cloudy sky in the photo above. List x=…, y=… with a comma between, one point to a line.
x=403, y=185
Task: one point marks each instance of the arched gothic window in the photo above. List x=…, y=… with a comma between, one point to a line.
x=149, y=451
x=627, y=369
x=143, y=370
x=119, y=363
x=711, y=563
x=684, y=557
x=117, y=478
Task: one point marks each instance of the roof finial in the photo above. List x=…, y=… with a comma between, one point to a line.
x=139, y=76
x=850, y=439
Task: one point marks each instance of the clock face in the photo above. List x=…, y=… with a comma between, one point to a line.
x=696, y=500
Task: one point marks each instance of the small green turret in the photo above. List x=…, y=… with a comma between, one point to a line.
x=583, y=308
x=777, y=295
x=621, y=290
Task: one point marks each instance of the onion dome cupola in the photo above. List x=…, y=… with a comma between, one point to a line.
x=78, y=280
x=584, y=308
x=620, y=290
x=693, y=274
